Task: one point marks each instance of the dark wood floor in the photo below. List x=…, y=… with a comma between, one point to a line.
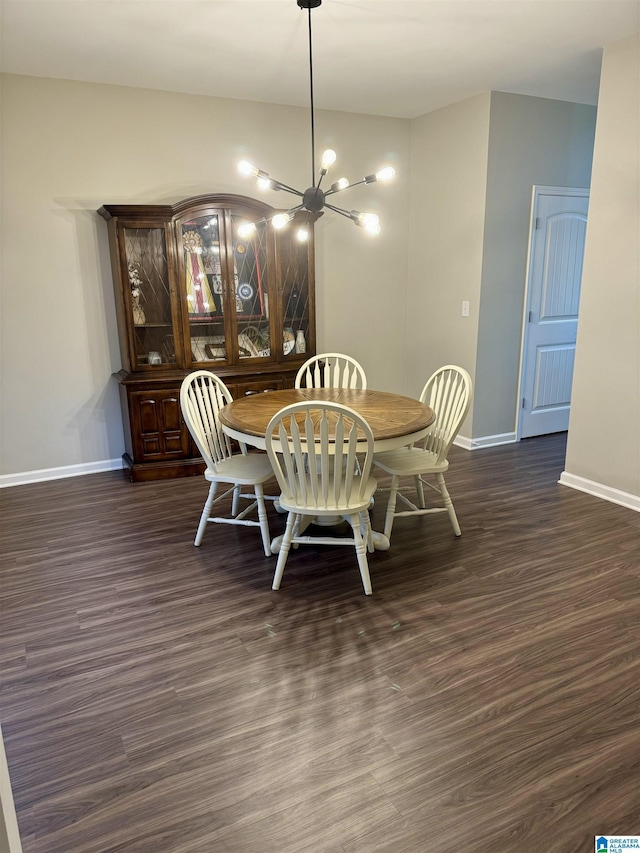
x=159, y=698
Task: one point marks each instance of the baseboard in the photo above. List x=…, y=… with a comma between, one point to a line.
x=44, y=474
x=485, y=441
x=599, y=490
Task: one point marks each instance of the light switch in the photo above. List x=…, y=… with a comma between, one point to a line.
x=465, y=308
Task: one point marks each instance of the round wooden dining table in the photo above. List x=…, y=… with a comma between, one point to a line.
x=395, y=420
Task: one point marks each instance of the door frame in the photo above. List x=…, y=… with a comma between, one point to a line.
x=537, y=191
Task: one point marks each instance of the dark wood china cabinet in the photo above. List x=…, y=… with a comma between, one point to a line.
x=192, y=293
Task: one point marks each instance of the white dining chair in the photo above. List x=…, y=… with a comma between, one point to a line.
x=448, y=392
x=202, y=395
x=312, y=448
x=331, y=370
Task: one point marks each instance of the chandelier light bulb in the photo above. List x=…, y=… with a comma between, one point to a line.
x=280, y=220
x=340, y=184
x=328, y=158
x=246, y=168
x=371, y=223
x=386, y=174
x=246, y=229
x=263, y=183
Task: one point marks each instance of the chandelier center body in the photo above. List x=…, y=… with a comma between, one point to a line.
x=313, y=199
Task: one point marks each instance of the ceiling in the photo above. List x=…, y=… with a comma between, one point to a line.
x=399, y=58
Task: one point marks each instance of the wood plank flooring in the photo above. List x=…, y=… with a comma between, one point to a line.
x=160, y=698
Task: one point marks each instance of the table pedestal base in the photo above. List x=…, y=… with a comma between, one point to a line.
x=380, y=541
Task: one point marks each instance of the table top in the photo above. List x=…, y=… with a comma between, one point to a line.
x=390, y=416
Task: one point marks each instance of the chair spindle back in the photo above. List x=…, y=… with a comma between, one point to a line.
x=331, y=370
x=202, y=396
x=448, y=392
x=312, y=448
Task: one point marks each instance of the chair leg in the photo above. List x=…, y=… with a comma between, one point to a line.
x=365, y=530
x=361, y=553
x=446, y=497
x=391, y=506
x=206, y=512
x=284, y=550
x=420, y=491
x=235, y=504
x=262, y=517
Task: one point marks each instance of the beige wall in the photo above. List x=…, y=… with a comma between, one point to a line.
x=474, y=164
x=68, y=148
x=604, y=429
x=532, y=141
x=362, y=292
x=449, y=150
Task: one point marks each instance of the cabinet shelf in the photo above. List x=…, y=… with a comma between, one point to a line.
x=152, y=325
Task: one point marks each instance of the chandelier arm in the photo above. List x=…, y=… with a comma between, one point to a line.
x=332, y=192
x=282, y=186
x=348, y=187
x=339, y=210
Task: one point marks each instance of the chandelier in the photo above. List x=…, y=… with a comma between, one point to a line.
x=314, y=199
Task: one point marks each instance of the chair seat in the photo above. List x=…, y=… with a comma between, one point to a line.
x=409, y=460
x=243, y=470
x=343, y=506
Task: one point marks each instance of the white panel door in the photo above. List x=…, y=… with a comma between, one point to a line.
x=556, y=253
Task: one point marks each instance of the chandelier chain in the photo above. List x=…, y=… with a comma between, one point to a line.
x=313, y=130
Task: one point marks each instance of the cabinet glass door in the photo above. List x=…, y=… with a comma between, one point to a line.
x=294, y=274
x=204, y=286
x=150, y=304
x=250, y=291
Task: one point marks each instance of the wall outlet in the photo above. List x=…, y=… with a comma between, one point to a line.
x=465, y=308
